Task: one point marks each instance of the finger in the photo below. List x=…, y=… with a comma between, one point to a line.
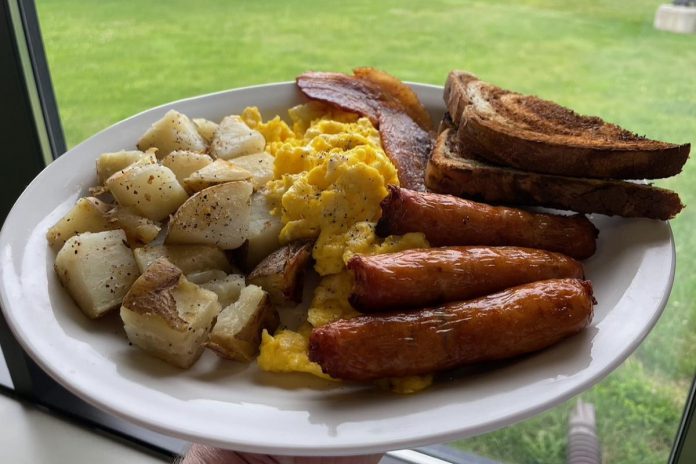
x=368, y=459
x=200, y=454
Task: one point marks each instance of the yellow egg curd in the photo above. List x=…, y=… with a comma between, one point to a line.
x=330, y=175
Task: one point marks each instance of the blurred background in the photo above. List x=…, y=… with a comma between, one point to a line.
x=111, y=59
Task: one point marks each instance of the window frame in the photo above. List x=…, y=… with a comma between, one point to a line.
x=35, y=137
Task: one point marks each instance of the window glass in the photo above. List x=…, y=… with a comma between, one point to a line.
x=112, y=59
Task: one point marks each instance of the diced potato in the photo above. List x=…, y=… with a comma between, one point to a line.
x=168, y=316
x=97, y=269
x=237, y=332
x=109, y=164
x=260, y=165
x=149, y=188
x=139, y=230
x=188, y=258
x=201, y=277
x=281, y=272
x=264, y=229
x=185, y=163
x=206, y=128
x=218, y=215
x=88, y=215
x=234, y=138
x=217, y=172
x=175, y=131
x=227, y=289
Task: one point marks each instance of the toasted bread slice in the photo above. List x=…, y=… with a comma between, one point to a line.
x=451, y=170
x=537, y=135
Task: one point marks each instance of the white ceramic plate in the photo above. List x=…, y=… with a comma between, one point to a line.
x=236, y=406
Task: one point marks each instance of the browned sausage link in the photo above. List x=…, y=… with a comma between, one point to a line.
x=503, y=325
x=448, y=220
x=418, y=278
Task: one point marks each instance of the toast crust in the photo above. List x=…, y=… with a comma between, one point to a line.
x=536, y=135
x=451, y=170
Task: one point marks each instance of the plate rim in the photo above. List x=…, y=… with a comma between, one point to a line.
x=324, y=449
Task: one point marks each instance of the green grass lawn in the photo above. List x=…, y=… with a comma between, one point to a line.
x=112, y=59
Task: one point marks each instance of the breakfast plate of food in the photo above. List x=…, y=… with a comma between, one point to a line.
x=343, y=264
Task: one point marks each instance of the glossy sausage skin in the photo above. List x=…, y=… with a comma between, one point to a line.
x=448, y=220
x=423, y=277
x=510, y=323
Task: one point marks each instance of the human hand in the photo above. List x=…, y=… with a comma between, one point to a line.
x=200, y=454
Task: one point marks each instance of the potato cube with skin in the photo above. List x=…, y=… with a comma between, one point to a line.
x=260, y=165
x=175, y=131
x=149, y=188
x=185, y=163
x=97, y=269
x=217, y=172
x=234, y=138
x=109, y=164
x=237, y=331
x=227, y=288
x=281, y=272
x=88, y=215
x=264, y=229
x=188, y=258
x=206, y=128
x=167, y=316
x=218, y=216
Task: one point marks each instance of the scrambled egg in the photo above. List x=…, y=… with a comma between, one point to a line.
x=330, y=174
x=286, y=351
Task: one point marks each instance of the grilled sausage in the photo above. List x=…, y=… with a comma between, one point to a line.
x=418, y=278
x=448, y=220
x=510, y=323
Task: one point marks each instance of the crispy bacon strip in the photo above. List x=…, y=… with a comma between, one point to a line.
x=446, y=220
x=342, y=91
x=422, y=277
x=397, y=95
x=516, y=321
x=403, y=123
x=407, y=146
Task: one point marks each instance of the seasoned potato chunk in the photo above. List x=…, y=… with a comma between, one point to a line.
x=280, y=273
x=262, y=238
x=201, y=277
x=175, y=131
x=110, y=163
x=206, y=128
x=260, y=165
x=237, y=332
x=217, y=172
x=88, y=215
x=185, y=163
x=149, y=188
x=234, y=138
x=218, y=215
x=188, y=258
x=138, y=229
x=97, y=269
x=227, y=288
x=168, y=316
